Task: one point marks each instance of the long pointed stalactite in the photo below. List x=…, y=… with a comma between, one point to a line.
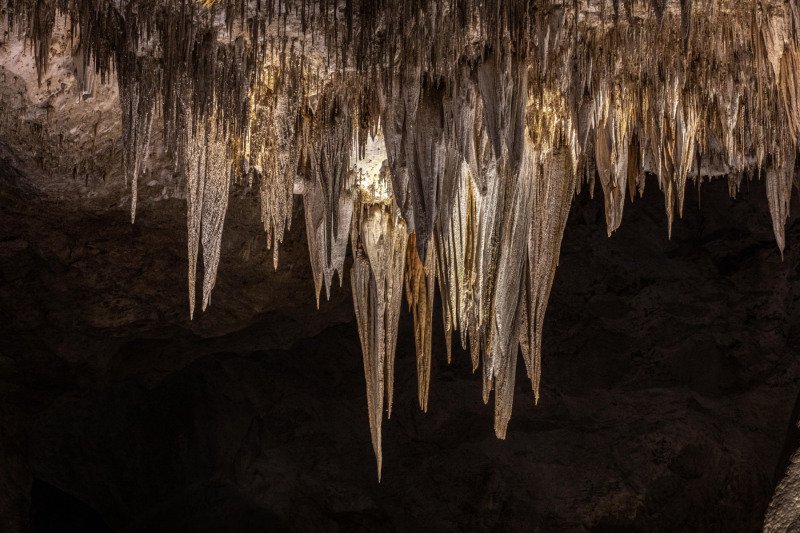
x=379, y=251
x=420, y=280
x=444, y=141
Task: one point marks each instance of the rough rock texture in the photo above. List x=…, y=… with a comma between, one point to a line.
x=784, y=509
x=670, y=378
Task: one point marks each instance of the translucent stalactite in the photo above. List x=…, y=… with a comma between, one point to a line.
x=379, y=253
x=420, y=280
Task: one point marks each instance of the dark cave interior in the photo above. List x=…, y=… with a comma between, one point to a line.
x=670, y=390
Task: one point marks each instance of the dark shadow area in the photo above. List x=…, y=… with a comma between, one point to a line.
x=55, y=511
x=670, y=376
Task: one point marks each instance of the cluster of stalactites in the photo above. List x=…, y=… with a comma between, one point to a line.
x=483, y=173
x=444, y=140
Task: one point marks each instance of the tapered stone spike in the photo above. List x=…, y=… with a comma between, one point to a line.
x=420, y=280
x=379, y=249
x=206, y=167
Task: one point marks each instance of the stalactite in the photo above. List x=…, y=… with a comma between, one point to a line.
x=323, y=238
x=208, y=175
x=192, y=162
x=330, y=192
x=138, y=101
x=553, y=189
x=469, y=126
x=379, y=252
x=779, y=190
x=420, y=280
x=274, y=154
x=450, y=236
x=215, y=205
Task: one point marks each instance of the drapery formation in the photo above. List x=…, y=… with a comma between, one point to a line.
x=443, y=140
